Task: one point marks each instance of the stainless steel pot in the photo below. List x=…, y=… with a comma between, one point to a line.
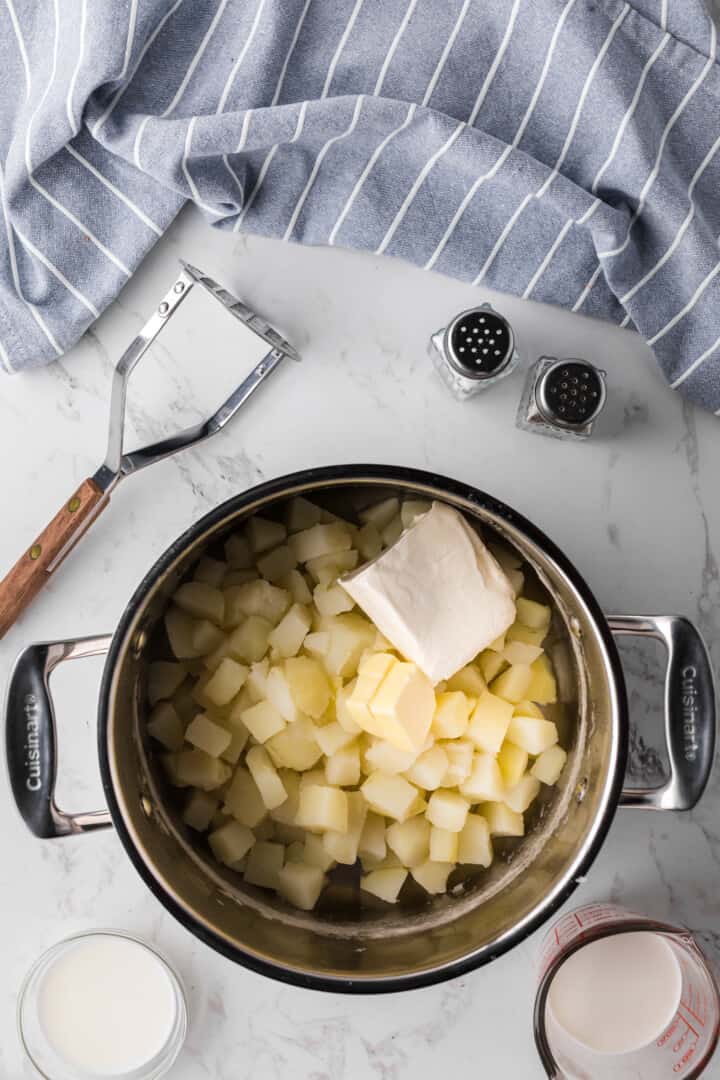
x=348, y=944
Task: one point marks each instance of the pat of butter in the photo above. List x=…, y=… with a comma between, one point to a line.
x=371, y=673
x=393, y=700
x=437, y=594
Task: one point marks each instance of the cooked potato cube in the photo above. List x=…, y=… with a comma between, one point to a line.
x=320, y=540
x=210, y=571
x=432, y=876
x=451, y=716
x=342, y=713
x=243, y=800
x=467, y=680
x=489, y=722
x=332, y=599
x=236, y=577
x=350, y=635
x=263, y=772
x=169, y=764
x=402, y=707
x=278, y=694
x=276, y=564
x=200, y=808
x=328, y=568
x=255, y=598
x=286, y=813
x=444, y=844
x=369, y=542
x=184, y=703
x=237, y=552
x=322, y=807
x=166, y=726
x=206, y=637
x=391, y=796
x=343, y=845
x=317, y=644
x=262, y=721
x=526, y=790
x=524, y=634
x=372, y=844
x=412, y=509
x=517, y=581
x=381, y=513
x=315, y=853
x=249, y=641
x=392, y=531
x=179, y=630
x=532, y=734
x=384, y=883
x=549, y=765
x=447, y=810
x=212, y=660
x=512, y=685
x=295, y=852
x=231, y=842
x=528, y=708
x=512, y=761
x=308, y=685
x=502, y=821
x=295, y=747
x=331, y=738
x=256, y=682
x=343, y=767
x=195, y=768
x=410, y=840
x=239, y=736
x=302, y=514
x=164, y=678
x=201, y=601
x=485, y=782
x=290, y=632
x=474, y=843
x=300, y=884
x=382, y=756
x=226, y=681
x=313, y=776
x=265, y=830
x=297, y=586
x=264, y=863
x=459, y=753
x=517, y=652
x=429, y=769
x=491, y=664
x=263, y=534
x=533, y=615
x=373, y=668
x=208, y=736
x=542, y=688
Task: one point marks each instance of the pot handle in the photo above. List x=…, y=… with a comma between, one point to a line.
x=689, y=710
x=31, y=738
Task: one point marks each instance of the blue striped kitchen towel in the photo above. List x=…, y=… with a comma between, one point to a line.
x=564, y=150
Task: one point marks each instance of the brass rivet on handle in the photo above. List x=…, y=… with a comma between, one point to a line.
x=74, y=504
x=35, y=551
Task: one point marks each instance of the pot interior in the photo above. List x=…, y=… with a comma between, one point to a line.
x=351, y=935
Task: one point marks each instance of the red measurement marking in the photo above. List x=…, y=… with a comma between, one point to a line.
x=577, y=920
x=687, y=1022
x=557, y=938
x=694, y=1014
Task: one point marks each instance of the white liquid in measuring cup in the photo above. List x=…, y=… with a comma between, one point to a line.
x=107, y=1006
x=617, y=994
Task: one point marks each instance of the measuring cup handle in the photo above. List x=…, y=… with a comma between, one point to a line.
x=31, y=738
x=690, y=718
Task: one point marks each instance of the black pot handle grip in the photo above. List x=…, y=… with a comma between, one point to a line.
x=690, y=715
x=31, y=738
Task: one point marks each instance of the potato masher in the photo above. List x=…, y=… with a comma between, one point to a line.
x=42, y=558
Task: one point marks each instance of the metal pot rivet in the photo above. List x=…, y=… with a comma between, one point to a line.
x=575, y=627
x=146, y=805
x=178, y=287
x=164, y=308
x=581, y=790
x=139, y=643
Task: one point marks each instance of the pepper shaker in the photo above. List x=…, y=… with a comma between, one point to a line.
x=562, y=398
x=475, y=350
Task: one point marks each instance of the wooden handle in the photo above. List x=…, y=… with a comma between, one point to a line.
x=35, y=566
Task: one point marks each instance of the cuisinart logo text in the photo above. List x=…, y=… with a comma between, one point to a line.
x=689, y=711
x=33, y=781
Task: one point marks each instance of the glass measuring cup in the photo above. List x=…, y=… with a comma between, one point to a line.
x=683, y=1047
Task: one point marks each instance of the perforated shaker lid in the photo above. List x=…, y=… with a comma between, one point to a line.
x=480, y=343
x=570, y=393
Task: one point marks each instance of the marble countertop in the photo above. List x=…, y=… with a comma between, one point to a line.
x=637, y=508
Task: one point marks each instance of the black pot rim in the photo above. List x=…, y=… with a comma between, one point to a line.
x=356, y=474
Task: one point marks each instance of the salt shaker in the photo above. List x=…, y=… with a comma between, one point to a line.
x=475, y=350
x=562, y=398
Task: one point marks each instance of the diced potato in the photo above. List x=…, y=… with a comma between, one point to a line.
x=331, y=738
x=262, y=721
x=533, y=615
x=302, y=514
x=249, y=641
x=166, y=726
x=265, y=830
x=489, y=722
x=517, y=581
x=429, y=769
x=169, y=764
x=343, y=767
x=468, y=680
x=402, y=707
x=297, y=586
x=315, y=853
x=256, y=682
x=350, y=636
x=447, y=810
x=255, y=598
x=373, y=668
x=295, y=747
x=184, y=703
x=343, y=844
x=432, y=876
x=206, y=637
x=383, y=757
x=451, y=716
x=528, y=708
x=295, y=852
x=502, y=821
x=512, y=761
x=485, y=782
x=381, y=513
x=195, y=768
x=498, y=645
x=392, y=531
x=512, y=685
x=208, y=736
x=322, y=807
x=391, y=796
x=332, y=599
x=243, y=800
x=342, y=713
x=308, y=685
x=263, y=772
x=226, y=681
x=276, y=564
x=532, y=734
x=239, y=736
x=237, y=577
x=212, y=660
x=200, y=808
x=317, y=644
x=474, y=843
x=542, y=688
x=385, y=883
x=444, y=844
x=286, y=813
x=300, y=885
x=369, y=542
x=198, y=691
x=210, y=571
x=410, y=840
x=328, y=568
x=287, y=637
x=526, y=790
x=412, y=509
x=320, y=540
x=459, y=753
x=237, y=552
x=517, y=652
x=179, y=629
x=313, y=776
x=549, y=765
x=201, y=601
x=263, y=534
x=278, y=694
x=164, y=678
x=524, y=634
x=264, y=863
x=231, y=842
x=372, y=844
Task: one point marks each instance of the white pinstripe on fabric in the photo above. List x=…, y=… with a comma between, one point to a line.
x=196, y=59
x=663, y=14
x=267, y=163
x=194, y=193
x=21, y=46
x=115, y=190
x=445, y=53
x=393, y=46
x=121, y=90
x=291, y=49
x=695, y=365
x=416, y=187
x=472, y=191
x=76, y=70
x=241, y=56
x=546, y=261
x=316, y=167
x=495, y=64
x=241, y=143
x=27, y=243
x=366, y=172
x=341, y=45
x=595, y=67
x=688, y=307
x=129, y=39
